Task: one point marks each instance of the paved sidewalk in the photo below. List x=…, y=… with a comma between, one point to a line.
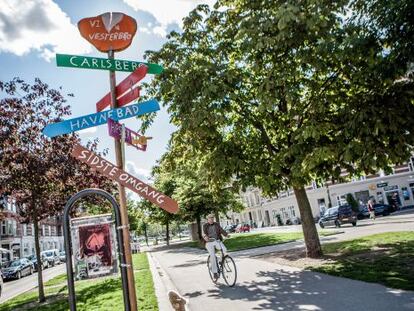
x=266, y=286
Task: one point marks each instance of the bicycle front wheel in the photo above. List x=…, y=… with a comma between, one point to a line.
x=229, y=271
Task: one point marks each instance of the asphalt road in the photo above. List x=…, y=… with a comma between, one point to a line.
x=264, y=285
x=13, y=288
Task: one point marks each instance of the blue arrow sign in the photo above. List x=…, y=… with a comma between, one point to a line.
x=95, y=119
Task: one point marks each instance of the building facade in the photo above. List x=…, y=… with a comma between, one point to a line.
x=18, y=238
x=264, y=211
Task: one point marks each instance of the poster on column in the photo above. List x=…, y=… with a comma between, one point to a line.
x=94, y=248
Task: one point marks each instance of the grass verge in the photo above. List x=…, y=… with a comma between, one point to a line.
x=252, y=240
x=386, y=258
x=95, y=294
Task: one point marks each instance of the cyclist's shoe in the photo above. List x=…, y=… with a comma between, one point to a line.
x=215, y=277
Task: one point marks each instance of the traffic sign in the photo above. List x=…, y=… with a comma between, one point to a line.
x=77, y=61
x=109, y=31
x=123, y=87
x=95, y=119
x=109, y=170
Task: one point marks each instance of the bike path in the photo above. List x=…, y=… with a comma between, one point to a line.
x=267, y=286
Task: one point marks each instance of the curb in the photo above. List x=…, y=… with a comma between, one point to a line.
x=162, y=284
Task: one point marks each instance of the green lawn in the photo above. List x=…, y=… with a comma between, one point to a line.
x=386, y=258
x=240, y=241
x=95, y=294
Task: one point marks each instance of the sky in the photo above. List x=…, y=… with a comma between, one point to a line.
x=33, y=31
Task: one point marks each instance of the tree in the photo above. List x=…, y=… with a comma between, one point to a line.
x=269, y=93
x=185, y=182
x=39, y=173
x=351, y=201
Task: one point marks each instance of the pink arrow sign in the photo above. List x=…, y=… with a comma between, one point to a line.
x=125, y=86
x=131, y=137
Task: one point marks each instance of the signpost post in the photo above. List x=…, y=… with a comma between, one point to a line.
x=110, y=32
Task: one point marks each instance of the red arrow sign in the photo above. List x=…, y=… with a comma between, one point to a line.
x=125, y=86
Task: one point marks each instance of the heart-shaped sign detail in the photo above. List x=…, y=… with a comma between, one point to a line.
x=110, y=19
x=108, y=31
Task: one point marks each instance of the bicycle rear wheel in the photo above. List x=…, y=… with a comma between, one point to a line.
x=210, y=271
x=229, y=271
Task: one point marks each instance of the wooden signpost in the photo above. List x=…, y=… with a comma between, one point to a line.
x=110, y=32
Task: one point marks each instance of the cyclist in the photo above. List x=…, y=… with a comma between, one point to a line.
x=213, y=230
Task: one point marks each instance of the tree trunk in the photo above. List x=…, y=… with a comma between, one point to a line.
x=146, y=233
x=39, y=262
x=167, y=232
x=198, y=219
x=313, y=246
x=217, y=215
x=329, y=195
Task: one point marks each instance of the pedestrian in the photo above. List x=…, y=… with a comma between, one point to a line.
x=371, y=209
x=394, y=202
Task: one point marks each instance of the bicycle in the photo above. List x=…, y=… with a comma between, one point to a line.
x=225, y=266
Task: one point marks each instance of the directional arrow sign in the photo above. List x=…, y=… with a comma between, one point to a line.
x=76, y=61
x=111, y=171
x=95, y=119
x=125, y=86
x=132, y=138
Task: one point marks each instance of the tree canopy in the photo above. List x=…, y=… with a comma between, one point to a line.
x=276, y=94
x=39, y=172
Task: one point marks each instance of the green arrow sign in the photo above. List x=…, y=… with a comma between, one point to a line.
x=76, y=61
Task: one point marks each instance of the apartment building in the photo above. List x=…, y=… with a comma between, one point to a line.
x=266, y=211
x=19, y=238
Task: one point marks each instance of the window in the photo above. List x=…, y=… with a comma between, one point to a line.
x=411, y=164
x=292, y=213
x=380, y=197
x=341, y=199
x=3, y=227
x=257, y=198
x=405, y=193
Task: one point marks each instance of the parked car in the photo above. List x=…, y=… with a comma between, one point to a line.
x=17, y=269
x=380, y=209
x=242, y=228
x=33, y=260
x=62, y=256
x=52, y=257
x=1, y=283
x=230, y=228
x=337, y=216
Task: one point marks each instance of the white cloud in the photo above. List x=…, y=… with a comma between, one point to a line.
x=160, y=30
x=137, y=172
x=166, y=11
x=38, y=25
x=88, y=131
